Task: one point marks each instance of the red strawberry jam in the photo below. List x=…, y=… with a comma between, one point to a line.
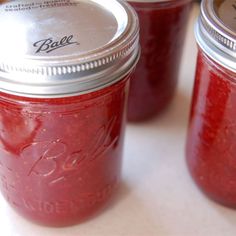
x=61, y=158
x=211, y=146
x=162, y=32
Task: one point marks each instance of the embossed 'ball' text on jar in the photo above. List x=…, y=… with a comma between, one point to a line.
x=163, y=25
x=211, y=142
x=64, y=71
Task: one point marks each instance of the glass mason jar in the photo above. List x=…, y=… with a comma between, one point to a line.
x=64, y=84
x=211, y=146
x=163, y=25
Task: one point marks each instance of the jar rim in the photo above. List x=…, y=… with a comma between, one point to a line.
x=215, y=37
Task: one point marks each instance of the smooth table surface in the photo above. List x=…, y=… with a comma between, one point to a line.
x=157, y=195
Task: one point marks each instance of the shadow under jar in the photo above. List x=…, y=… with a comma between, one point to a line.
x=64, y=88
x=163, y=25
x=211, y=142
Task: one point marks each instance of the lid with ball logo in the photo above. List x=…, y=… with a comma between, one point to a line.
x=61, y=48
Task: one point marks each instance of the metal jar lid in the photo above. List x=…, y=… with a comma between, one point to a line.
x=216, y=31
x=59, y=48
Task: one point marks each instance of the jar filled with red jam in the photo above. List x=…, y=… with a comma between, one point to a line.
x=64, y=69
x=162, y=32
x=211, y=143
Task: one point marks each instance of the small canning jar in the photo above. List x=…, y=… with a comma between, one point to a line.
x=64, y=70
x=163, y=25
x=211, y=142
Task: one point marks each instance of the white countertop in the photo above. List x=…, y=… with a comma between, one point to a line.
x=157, y=195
